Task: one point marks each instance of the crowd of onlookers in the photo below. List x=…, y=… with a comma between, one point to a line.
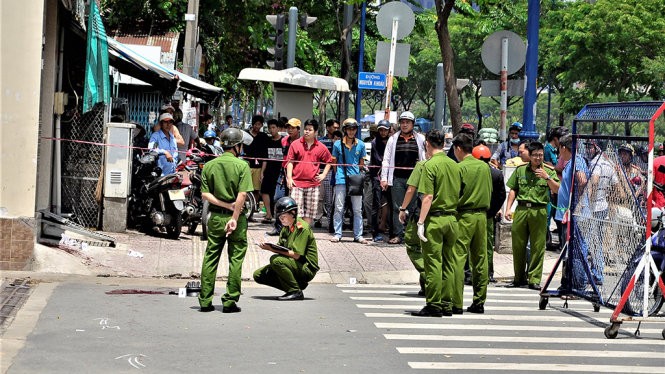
x=334, y=182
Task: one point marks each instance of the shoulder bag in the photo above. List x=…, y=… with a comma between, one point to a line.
x=355, y=182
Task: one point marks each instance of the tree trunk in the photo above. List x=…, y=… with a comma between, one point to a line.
x=443, y=10
x=346, y=70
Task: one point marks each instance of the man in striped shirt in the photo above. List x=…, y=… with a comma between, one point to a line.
x=403, y=150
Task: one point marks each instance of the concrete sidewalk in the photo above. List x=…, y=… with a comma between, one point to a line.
x=141, y=255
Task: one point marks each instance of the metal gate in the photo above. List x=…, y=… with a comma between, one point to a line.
x=82, y=165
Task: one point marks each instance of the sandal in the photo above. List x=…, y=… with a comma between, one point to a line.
x=395, y=240
x=361, y=241
x=336, y=239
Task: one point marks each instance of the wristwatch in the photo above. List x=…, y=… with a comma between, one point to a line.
x=402, y=209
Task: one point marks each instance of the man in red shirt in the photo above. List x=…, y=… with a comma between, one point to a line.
x=658, y=182
x=302, y=170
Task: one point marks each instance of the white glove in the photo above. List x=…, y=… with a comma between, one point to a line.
x=421, y=232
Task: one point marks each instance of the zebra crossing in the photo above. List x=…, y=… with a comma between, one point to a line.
x=512, y=335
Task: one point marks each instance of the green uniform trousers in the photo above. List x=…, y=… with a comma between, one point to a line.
x=529, y=224
x=490, y=247
x=471, y=241
x=237, y=247
x=284, y=273
x=413, y=249
x=439, y=260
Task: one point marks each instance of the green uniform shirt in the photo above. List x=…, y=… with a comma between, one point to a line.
x=441, y=177
x=226, y=176
x=415, y=174
x=476, y=184
x=529, y=187
x=301, y=241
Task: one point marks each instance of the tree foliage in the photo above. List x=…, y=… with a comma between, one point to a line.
x=610, y=48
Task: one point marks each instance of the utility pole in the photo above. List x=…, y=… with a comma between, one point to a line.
x=191, y=37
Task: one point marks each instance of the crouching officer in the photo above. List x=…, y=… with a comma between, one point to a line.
x=226, y=181
x=440, y=185
x=290, y=271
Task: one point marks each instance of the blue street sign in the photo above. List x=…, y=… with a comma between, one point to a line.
x=371, y=81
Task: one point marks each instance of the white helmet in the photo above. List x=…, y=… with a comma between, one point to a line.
x=407, y=115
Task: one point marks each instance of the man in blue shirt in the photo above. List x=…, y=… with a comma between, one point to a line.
x=551, y=158
x=163, y=141
x=348, y=151
x=509, y=148
x=565, y=206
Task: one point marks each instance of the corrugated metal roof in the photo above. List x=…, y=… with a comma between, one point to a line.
x=168, y=42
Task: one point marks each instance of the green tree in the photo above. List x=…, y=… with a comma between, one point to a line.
x=609, y=48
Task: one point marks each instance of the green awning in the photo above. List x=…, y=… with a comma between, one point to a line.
x=97, y=82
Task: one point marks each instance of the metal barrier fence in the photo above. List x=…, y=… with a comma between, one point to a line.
x=609, y=245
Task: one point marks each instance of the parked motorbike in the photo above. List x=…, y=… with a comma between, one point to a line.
x=190, y=174
x=155, y=201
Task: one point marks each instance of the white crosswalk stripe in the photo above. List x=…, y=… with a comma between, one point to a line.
x=512, y=335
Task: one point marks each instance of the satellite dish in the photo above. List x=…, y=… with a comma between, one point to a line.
x=395, y=10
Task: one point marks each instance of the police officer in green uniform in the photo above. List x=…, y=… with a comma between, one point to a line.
x=440, y=185
x=530, y=185
x=290, y=271
x=472, y=225
x=411, y=239
x=225, y=182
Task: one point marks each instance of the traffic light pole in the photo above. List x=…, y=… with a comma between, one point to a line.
x=291, y=44
x=361, y=62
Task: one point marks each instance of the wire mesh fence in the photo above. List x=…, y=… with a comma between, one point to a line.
x=609, y=220
x=82, y=166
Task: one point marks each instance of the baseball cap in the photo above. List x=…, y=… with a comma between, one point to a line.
x=383, y=124
x=468, y=127
x=167, y=107
x=165, y=116
x=294, y=122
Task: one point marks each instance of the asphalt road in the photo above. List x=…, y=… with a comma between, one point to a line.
x=79, y=327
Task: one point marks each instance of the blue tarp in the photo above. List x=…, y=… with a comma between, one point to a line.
x=369, y=118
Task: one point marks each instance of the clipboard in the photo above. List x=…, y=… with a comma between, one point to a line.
x=281, y=249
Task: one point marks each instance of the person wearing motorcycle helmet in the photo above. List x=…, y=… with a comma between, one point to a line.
x=633, y=173
x=509, y=148
x=403, y=150
x=643, y=155
x=350, y=152
x=483, y=153
x=466, y=128
x=296, y=261
x=211, y=145
x=225, y=183
x=378, y=147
